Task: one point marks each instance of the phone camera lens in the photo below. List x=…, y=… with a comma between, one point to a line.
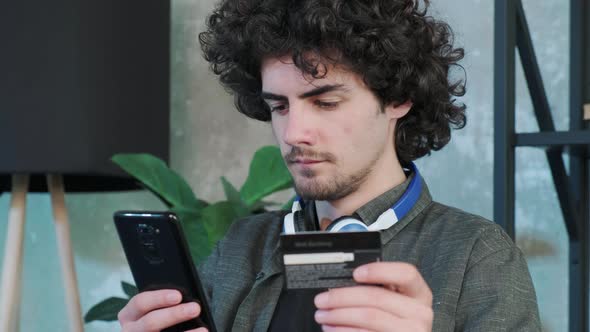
x=149, y=243
x=145, y=229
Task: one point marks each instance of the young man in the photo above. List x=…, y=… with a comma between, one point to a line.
x=355, y=91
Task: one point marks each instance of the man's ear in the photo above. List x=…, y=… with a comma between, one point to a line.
x=399, y=111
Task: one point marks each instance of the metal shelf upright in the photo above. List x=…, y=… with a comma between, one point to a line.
x=572, y=183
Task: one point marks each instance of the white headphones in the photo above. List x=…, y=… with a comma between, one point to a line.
x=297, y=222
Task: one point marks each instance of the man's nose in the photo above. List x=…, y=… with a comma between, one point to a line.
x=299, y=129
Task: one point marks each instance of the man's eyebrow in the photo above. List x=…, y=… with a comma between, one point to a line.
x=272, y=96
x=322, y=89
x=315, y=92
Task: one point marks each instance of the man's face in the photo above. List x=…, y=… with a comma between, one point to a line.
x=332, y=131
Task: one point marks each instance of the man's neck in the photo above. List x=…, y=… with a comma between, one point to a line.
x=385, y=177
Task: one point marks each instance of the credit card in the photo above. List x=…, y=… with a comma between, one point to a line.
x=313, y=260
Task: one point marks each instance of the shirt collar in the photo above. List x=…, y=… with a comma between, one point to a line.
x=369, y=212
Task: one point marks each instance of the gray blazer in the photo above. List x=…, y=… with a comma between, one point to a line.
x=478, y=277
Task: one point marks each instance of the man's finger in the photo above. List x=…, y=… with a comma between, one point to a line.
x=160, y=319
x=371, y=296
x=401, y=277
x=144, y=302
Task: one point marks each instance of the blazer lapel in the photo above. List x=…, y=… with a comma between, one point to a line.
x=256, y=310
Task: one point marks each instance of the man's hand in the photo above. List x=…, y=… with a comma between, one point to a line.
x=156, y=310
x=404, y=303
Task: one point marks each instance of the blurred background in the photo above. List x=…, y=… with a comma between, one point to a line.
x=210, y=139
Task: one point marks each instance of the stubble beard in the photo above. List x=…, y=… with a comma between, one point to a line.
x=335, y=186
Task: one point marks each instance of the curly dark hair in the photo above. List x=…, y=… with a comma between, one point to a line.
x=401, y=53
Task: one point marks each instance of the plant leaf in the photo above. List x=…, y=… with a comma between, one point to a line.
x=233, y=196
x=195, y=233
x=231, y=193
x=200, y=204
x=217, y=218
x=106, y=310
x=159, y=178
x=268, y=174
x=129, y=289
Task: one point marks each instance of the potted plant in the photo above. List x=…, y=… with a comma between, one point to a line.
x=203, y=223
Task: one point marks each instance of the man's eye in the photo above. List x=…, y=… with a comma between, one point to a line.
x=282, y=108
x=326, y=104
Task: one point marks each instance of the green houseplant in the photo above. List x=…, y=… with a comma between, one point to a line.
x=203, y=223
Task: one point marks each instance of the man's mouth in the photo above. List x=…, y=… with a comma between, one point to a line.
x=299, y=156
x=306, y=161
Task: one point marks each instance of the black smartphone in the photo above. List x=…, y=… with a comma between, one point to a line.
x=158, y=255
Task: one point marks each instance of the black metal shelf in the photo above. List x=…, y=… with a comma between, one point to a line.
x=510, y=33
x=553, y=139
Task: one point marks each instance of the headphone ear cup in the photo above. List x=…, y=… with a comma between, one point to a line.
x=303, y=221
x=347, y=224
x=294, y=222
x=289, y=223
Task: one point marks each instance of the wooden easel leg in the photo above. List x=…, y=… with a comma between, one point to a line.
x=64, y=244
x=13, y=255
